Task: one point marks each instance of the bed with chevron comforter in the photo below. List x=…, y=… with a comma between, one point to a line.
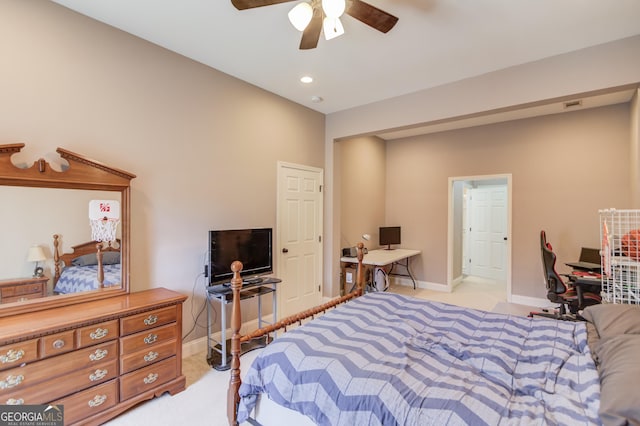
x=388, y=359
x=85, y=278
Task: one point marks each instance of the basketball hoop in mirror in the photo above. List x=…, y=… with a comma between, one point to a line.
x=104, y=216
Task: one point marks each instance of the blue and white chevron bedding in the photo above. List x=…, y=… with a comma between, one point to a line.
x=83, y=278
x=388, y=359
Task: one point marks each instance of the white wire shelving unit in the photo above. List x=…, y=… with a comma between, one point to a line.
x=620, y=255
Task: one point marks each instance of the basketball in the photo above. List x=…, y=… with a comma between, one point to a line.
x=631, y=244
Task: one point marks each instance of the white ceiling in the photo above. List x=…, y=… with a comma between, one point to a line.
x=434, y=42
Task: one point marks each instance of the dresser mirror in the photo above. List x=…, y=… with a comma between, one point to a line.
x=45, y=198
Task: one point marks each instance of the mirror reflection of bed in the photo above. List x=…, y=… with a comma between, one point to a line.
x=34, y=215
x=89, y=266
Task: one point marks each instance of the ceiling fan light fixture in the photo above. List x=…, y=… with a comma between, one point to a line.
x=333, y=8
x=332, y=28
x=301, y=15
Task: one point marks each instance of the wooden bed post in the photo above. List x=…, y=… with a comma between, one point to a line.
x=360, y=270
x=100, y=269
x=236, y=322
x=233, y=398
x=56, y=258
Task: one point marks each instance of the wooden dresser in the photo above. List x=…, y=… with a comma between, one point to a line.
x=21, y=289
x=97, y=358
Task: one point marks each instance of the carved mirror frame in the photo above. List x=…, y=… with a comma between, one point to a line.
x=81, y=173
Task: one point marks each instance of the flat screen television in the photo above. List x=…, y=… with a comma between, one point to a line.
x=252, y=247
x=389, y=235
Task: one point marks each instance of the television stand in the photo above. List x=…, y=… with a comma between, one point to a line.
x=218, y=352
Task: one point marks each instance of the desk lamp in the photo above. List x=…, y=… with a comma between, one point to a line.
x=36, y=254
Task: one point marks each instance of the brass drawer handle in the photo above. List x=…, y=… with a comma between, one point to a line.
x=151, y=338
x=151, y=319
x=11, y=381
x=12, y=356
x=58, y=344
x=98, y=354
x=152, y=377
x=98, y=375
x=13, y=401
x=100, y=333
x=97, y=400
x=151, y=356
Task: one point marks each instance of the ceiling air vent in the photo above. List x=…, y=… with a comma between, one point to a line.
x=572, y=104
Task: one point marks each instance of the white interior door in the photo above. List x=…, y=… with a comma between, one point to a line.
x=299, y=238
x=488, y=231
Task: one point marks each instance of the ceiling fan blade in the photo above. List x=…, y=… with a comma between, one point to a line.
x=371, y=15
x=311, y=34
x=250, y=4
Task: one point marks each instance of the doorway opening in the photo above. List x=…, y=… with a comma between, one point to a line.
x=479, y=232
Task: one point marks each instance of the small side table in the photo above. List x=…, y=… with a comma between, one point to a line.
x=21, y=289
x=219, y=353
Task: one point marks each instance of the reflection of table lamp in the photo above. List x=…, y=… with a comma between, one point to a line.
x=36, y=254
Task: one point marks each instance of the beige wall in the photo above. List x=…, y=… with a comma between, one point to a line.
x=204, y=145
x=564, y=168
x=362, y=202
x=635, y=150
x=565, y=76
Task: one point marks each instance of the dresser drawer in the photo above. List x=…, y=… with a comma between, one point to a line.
x=56, y=344
x=17, y=353
x=147, y=378
x=147, y=339
x=30, y=374
x=21, y=298
x=89, y=402
x=147, y=320
x=59, y=387
x=21, y=290
x=147, y=356
x=90, y=335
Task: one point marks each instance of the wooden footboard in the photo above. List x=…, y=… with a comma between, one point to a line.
x=233, y=397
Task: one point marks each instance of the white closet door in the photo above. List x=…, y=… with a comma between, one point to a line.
x=488, y=231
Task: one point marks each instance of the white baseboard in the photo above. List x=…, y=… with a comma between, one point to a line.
x=406, y=282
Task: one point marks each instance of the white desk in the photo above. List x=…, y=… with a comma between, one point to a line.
x=382, y=257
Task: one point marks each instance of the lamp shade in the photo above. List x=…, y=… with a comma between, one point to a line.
x=36, y=254
x=301, y=15
x=332, y=28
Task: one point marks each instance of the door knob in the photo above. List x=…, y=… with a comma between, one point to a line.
x=285, y=250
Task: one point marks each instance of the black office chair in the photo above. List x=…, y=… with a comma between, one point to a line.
x=570, y=297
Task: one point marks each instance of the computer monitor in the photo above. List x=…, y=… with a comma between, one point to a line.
x=589, y=260
x=590, y=255
x=389, y=235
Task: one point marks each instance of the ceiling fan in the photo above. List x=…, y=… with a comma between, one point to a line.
x=312, y=16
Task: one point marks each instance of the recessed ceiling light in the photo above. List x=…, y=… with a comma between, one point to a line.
x=306, y=79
